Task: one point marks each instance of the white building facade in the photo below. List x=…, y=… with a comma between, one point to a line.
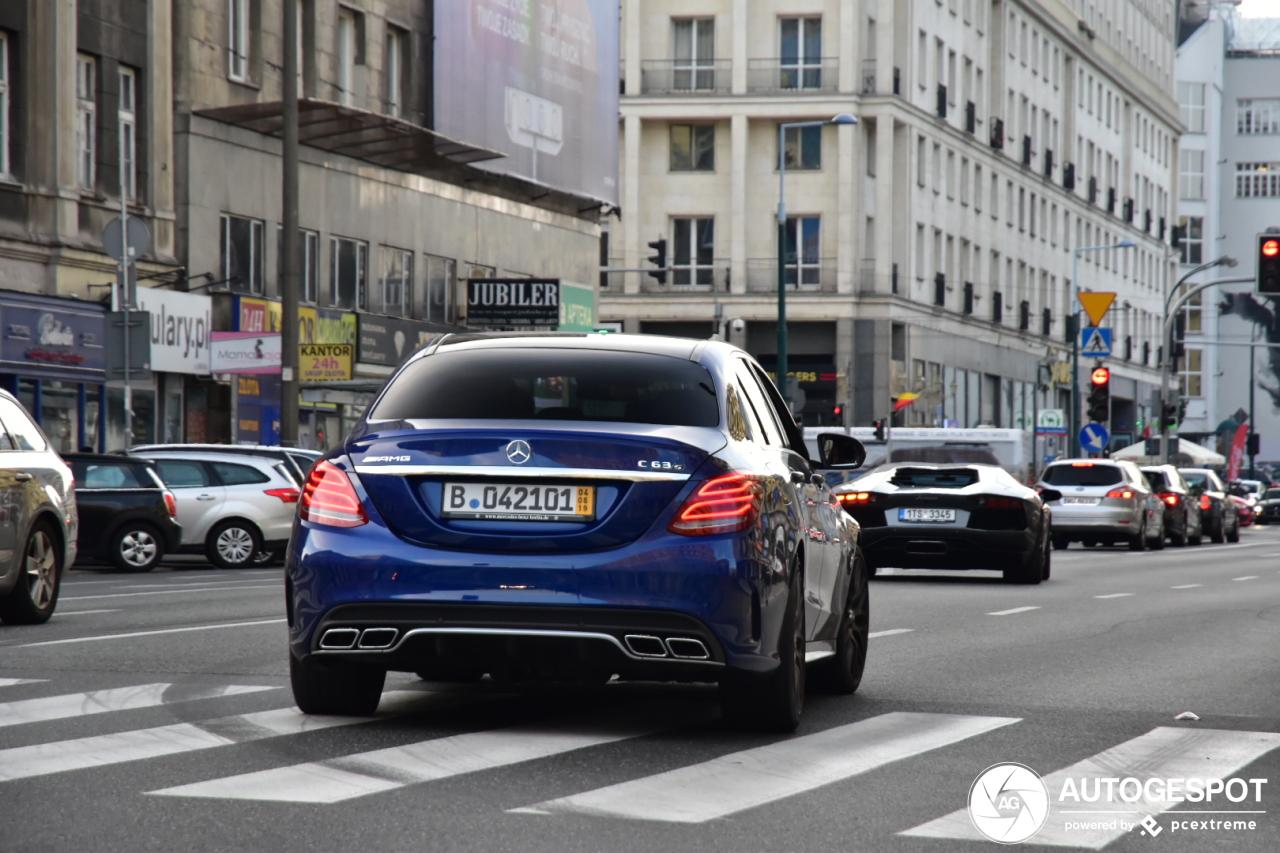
x=929, y=248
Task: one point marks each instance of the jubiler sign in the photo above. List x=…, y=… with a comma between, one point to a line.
x=513, y=302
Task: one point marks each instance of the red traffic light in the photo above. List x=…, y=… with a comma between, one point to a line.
x=1271, y=248
x=1100, y=376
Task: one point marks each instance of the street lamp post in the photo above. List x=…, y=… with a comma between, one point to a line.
x=1075, y=335
x=784, y=382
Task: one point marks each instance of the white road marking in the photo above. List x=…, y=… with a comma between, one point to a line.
x=890, y=632
x=1246, y=578
x=12, y=682
x=1114, y=595
x=169, y=592
x=346, y=778
x=1162, y=753
x=45, y=758
x=115, y=699
x=1014, y=610
x=1187, y=586
x=82, y=612
x=745, y=780
x=150, y=633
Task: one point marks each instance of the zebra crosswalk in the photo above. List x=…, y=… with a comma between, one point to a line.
x=713, y=785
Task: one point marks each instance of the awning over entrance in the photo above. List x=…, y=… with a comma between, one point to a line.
x=379, y=139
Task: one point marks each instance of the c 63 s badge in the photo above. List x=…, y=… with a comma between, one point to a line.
x=659, y=465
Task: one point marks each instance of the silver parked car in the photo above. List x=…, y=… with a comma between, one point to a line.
x=38, y=523
x=235, y=509
x=1101, y=501
x=298, y=460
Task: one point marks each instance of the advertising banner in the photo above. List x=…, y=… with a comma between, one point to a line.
x=513, y=302
x=537, y=81
x=315, y=325
x=55, y=338
x=1235, y=459
x=390, y=340
x=324, y=362
x=245, y=352
x=577, y=308
x=180, y=326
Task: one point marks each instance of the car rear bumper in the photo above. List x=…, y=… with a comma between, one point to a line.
x=940, y=547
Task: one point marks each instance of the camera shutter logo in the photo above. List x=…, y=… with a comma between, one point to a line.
x=518, y=452
x=1008, y=803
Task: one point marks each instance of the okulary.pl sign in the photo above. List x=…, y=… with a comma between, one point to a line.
x=245, y=352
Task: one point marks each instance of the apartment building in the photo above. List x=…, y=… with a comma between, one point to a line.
x=928, y=248
x=1229, y=191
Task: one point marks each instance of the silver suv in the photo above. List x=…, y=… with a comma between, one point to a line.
x=1099, y=501
x=38, y=524
x=236, y=509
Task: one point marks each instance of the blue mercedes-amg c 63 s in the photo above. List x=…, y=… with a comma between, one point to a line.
x=575, y=507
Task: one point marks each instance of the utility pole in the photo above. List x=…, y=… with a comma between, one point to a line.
x=126, y=297
x=289, y=233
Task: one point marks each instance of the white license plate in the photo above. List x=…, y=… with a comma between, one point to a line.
x=930, y=515
x=519, y=502
x=1081, y=501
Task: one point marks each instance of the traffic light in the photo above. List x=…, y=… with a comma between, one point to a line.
x=1251, y=444
x=1100, y=395
x=879, y=425
x=1268, y=281
x=1169, y=416
x=837, y=410
x=659, y=260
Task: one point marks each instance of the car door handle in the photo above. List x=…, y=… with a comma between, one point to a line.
x=23, y=476
x=205, y=498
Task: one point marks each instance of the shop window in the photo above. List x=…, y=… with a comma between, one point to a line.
x=348, y=271
x=242, y=252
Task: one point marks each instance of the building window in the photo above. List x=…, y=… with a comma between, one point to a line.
x=1191, y=106
x=308, y=261
x=1257, y=180
x=1192, y=238
x=1190, y=375
x=393, y=71
x=348, y=274
x=1258, y=116
x=694, y=51
x=350, y=53
x=242, y=252
x=238, y=40
x=4, y=103
x=86, y=120
x=693, y=252
x=802, y=147
x=803, y=250
x=396, y=281
x=438, y=299
x=1190, y=174
x=129, y=132
x=693, y=147
x=801, y=53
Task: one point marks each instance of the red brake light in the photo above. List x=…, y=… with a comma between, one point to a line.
x=720, y=505
x=289, y=496
x=998, y=502
x=171, y=503
x=1205, y=503
x=329, y=498
x=1170, y=498
x=1081, y=464
x=1121, y=492
x=856, y=498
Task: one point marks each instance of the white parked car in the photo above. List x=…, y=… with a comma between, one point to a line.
x=235, y=509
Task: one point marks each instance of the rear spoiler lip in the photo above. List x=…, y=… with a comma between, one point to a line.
x=510, y=471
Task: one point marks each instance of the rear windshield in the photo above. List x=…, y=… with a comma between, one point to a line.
x=1271, y=495
x=930, y=478
x=111, y=475
x=1082, y=475
x=1198, y=479
x=1156, y=480
x=553, y=384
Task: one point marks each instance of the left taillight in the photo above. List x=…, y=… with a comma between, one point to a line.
x=998, y=502
x=329, y=498
x=720, y=505
x=289, y=496
x=1171, y=498
x=171, y=504
x=1205, y=503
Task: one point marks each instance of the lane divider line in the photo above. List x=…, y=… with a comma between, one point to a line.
x=149, y=633
x=82, y=612
x=1114, y=595
x=890, y=632
x=1014, y=610
x=1246, y=578
x=170, y=592
x=115, y=699
x=13, y=682
x=1187, y=586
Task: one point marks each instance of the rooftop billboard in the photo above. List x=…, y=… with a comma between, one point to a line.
x=536, y=80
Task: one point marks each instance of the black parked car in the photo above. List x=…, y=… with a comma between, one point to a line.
x=1182, y=520
x=127, y=516
x=1269, y=507
x=1217, y=511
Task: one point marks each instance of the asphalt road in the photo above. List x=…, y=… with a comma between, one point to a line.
x=153, y=713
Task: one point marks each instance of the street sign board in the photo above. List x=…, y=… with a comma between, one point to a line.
x=1094, y=437
x=138, y=234
x=1095, y=341
x=1051, y=422
x=1096, y=305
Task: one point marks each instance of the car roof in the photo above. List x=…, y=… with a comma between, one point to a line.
x=652, y=344
x=106, y=457
x=213, y=457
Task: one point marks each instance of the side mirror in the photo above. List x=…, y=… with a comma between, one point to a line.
x=1050, y=495
x=836, y=450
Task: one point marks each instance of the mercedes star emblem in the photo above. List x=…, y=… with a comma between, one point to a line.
x=518, y=452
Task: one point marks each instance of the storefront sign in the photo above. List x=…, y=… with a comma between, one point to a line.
x=50, y=337
x=324, y=362
x=513, y=302
x=390, y=340
x=245, y=352
x=315, y=325
x=180, y=326
x=577, y=308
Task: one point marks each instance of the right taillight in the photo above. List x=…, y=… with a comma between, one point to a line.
x=1205, y=503
x=1170, y=498
x=171, y=504
x=720, y=505
x=329, y=498
x=1122, y=493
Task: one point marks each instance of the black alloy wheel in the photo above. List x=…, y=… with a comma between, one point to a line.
x=35, y=595
x=773, y=703
x=135, y=547
x=842, y=673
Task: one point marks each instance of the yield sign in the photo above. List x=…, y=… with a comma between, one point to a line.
x=1096, y=305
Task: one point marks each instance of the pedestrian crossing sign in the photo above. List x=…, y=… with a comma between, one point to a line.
x=1095, y=341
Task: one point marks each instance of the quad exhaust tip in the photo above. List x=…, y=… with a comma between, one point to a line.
x=339, y=638
x=645, y=646
x=377, y=638
x=345, y=639
x=687, y=648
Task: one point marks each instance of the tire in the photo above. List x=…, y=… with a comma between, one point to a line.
x=842, y=673
x=1138, y=542
x=135, y=547
x=1089, y=543
x=35, y=595
x=335, y=689
x=773, y=703
x=1215, y=533
x=233, y=545
x=1048, y=564
x=267, y=559
x=1060, y=543
x=1194, y=540
x=1179, y=539
x=1157, y=544
x=1032, y=571
x=1234, y=535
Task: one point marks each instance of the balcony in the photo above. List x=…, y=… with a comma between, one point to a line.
x=816, y=277
x=710, y=279
x=685, y=76
x=774, y=76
